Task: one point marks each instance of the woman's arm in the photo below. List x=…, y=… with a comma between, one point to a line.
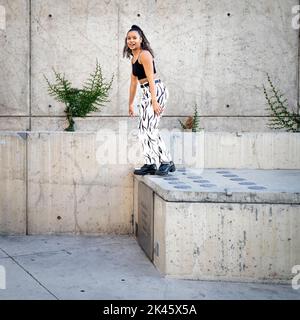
x=147, y=62
x=132, y=92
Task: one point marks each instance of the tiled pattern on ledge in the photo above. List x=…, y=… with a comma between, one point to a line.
x=234, y=180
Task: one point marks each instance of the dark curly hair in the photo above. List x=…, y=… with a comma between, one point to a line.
x=145, y=45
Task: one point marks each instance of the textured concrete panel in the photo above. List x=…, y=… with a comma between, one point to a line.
x=216, y=53
x=213, y=53
x=14, y=123
x=253, y=150
x=83, y=124
x=159, y=258
x=145, y=218
x=70, y=36
x=71, y=192
x=237, y=242
x=257, y=150
x=14, y=59
x=228, y=124
x=121, y=132
x=233, y=124
x=13, y=183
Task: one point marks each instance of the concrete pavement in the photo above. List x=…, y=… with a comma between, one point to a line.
x=106, y=267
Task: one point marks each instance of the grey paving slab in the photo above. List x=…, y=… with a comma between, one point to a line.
x=107, y=271
x=18, y=245
x=108, y=267
x=215, y=290
x=2, y=254
x=20, y=285
x=230, y=185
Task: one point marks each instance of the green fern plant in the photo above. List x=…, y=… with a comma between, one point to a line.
x=192, y=122
x=80, y=102
x=281, y=117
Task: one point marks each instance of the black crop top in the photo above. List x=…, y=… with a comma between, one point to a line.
x=139, y=71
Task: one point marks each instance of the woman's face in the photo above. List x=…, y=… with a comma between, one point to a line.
x=133, y=40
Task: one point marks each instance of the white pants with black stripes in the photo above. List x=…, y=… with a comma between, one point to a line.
x=153, y=146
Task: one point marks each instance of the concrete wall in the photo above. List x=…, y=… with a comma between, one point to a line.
x=261, y=150
x=69, y=191
x=13, y=210
x=14, y=66
x=59, y=182
x=213, y=53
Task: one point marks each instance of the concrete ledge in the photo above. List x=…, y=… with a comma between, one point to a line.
x=252, y=150
x=51, y=182
x=237, y=235
x=229, y=186
x=233, y=242
x=70, y=191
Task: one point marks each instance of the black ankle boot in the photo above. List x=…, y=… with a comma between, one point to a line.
x=146, y=169
x=165, y=168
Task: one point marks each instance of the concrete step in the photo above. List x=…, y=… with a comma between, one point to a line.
x=220, y=224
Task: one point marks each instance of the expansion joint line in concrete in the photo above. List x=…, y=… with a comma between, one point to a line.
x=30, y=62
x=29, y=105
x=26, y=185
x=226, y=202
x=31, y=275
x=298, y=70
x=118, y=71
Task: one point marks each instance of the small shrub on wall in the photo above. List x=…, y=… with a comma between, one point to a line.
x=80, y=102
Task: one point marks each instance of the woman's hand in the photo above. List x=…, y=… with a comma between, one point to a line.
x=131, y=110
x=156, y=107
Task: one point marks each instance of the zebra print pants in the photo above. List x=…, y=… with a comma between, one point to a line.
x=153, y=146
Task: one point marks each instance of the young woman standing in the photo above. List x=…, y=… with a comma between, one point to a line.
x=152, y=104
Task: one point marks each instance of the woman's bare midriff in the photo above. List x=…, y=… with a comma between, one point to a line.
x=146, y=80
